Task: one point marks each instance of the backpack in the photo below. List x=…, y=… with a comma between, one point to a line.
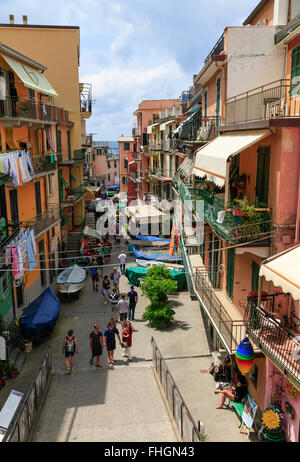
x=70, y=345
x=94, y=271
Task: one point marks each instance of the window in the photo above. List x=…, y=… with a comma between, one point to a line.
x=69, y=144
x=108, y=176
x=124, y=180
x=98, y=152
x=31, y=94
x=108, y=164
x=50, y=185
x=53, y=231
x=126, y=146
x=125, y=163
x=295, y=69
x=115, y=163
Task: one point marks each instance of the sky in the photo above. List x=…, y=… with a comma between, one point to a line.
x=132, y=50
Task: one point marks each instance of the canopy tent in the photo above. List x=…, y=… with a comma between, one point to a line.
x=284, y=271
x=39, y=318
x=144, y=214
x=164, y=257
x=212, y=158
x=135, y=274
x=31, y=77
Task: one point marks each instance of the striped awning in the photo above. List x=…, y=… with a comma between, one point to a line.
x=186, y=168
x=31, y=77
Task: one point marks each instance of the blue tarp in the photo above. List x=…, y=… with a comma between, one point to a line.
x=113, y=186
x=39, y=318
x=164, y=257
x=150, y=238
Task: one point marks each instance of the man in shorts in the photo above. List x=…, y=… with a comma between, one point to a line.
x=132, y=296
x=122, y=259
x=95, y=276
x=123, y=308
x=115, y=277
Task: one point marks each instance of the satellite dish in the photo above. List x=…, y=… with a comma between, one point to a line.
x=2, y=349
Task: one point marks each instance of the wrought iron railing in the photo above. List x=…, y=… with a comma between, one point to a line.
x=74, y=195
x=217, y=49
x=15, y=106
x=195, y=94
x=187, y=267
x=44, y=220
x=230, y=331
x=284, y=31
x=160, y=172
x=279, y=345
x=277, y=99
x=181, y=413
x=44, y=163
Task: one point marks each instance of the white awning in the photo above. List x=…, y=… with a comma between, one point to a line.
x=284, y=271
x=144, y=214
x=149, y=128
x=163, y=126
x=211, y=159
x=186, y=168
x=31, y=78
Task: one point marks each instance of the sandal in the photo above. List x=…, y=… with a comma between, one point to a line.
x=98, y=365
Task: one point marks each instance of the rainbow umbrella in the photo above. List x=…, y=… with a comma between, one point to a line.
x=244, y=356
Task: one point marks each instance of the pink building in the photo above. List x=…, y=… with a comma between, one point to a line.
x=106, y=165
x=129, y=168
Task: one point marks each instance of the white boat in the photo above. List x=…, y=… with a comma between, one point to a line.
x=71, y=280
x=150, y=263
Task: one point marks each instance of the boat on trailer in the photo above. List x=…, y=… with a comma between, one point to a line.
x=71, y=280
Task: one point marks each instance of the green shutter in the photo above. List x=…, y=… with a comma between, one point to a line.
x=230, y=272
x=58, y=141
x=69, y=144
x=262, y=176
x=64, y=218
x=255, y=273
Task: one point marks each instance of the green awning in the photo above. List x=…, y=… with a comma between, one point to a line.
x=31, y=77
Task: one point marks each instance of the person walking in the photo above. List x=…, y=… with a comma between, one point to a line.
x=105, y=288
x=114, y=298
x=127, y=339
x=115, y=277
x=96, y=345
x=106, y=251
x=122, y=259
x=95, y=276
x=99, y=259
x=110, y=334
x=70, y=345
x=123, y=308
x=132, y=296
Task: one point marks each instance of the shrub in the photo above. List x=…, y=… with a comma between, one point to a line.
x=158, y=314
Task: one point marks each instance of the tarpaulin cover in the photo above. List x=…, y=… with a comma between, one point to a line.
x=113, y=186
x=150, y=238
x=135, y=273
x=155, y=256
x=39, y=318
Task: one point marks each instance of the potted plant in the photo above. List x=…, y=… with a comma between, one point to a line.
x=13, y=372
x=4, y=368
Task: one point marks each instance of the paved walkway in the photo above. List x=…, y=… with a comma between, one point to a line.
x=123, y=403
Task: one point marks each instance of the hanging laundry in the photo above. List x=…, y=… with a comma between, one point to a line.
x=24, y=169
x=2, y=88
x=6, y=166
x=7, y=255
x=221, y=216
x=17, y=274
x=31, y=256
x=29, y=162
x=14, y=169
x=33, y=240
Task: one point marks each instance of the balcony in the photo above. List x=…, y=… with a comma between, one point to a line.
x=276, y=100
x=195, y=95
x=87, y=140
x=232, y=228
x=156, y=146
x=44, y=221
x=231, y=331
x=74, y=195
x=65, y=157
x=23, y=108
x=217, y=49
x=160, y=174
x=207, y=131
x=43, y=164
x=85, y=100
x=278, y=343
x=174, y=111
x=286, y=30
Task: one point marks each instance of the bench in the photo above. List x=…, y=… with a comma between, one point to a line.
x=239, y=408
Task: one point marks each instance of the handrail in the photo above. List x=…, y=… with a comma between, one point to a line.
x=19, y=106
x=160, y=364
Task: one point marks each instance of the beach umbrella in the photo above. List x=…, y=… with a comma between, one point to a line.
x=244, y=356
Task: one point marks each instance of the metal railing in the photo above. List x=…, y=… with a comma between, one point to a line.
x=160, y=173
x=195, y=94
x=21, y=425
x=65, y=156
x=183, y=418
x=87, y=140
x=187, y=267
x=74, y=195
x=44, y=163
x=278, y=344
x=44, y=220
x=15, y=106
x=277, y=99
x=10, y=332
x=217, y=49
x=230, y=331
x=284, y=31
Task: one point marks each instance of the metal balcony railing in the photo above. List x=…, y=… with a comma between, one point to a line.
x=160, y=173
x=276, y=100
x=67, y=157
x=230, y=331
x=44, y=163
x=286, y=30
x=87, y=140
x=20, y=107
x=74, y=195
x=207, y=131
x=232, y=228
x=195, y=94
x=217, y=49
x=276, y=342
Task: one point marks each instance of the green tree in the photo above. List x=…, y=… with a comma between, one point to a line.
x=157, y=284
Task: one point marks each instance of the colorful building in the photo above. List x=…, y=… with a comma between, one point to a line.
x=129, y=168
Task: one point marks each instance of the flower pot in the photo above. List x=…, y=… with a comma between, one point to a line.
x=237, y=213
x=13, y=374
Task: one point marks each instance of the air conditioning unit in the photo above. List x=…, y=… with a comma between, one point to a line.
x=71, y=198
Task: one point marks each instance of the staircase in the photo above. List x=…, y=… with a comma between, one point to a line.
x=91, y=223
x=74, y=243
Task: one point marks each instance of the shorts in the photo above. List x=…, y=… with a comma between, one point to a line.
x=95, y=277
x=114, y=308
x=69, y=353
x=123, y=316
x=111, y=346
x=105, y=291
